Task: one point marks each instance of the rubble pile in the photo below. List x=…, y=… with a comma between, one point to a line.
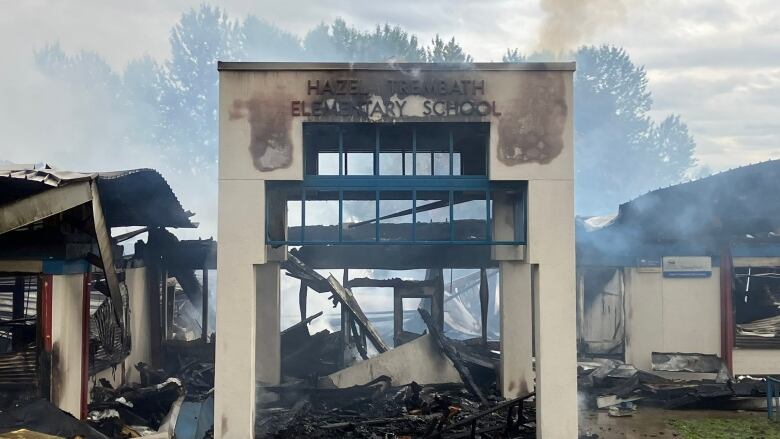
x=378, y=409
x=679, y=381
x=125, y=412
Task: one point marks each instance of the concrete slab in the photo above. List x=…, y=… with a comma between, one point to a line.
x=418, y=360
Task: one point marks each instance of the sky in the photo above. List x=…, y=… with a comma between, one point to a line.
x=716, y=63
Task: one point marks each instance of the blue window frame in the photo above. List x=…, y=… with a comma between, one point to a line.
x=408, y=183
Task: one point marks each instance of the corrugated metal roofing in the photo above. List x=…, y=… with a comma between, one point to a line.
x=137, y=197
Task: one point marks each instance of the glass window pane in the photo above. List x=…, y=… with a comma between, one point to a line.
x=441, y=163
x=319, y=139
x=470, y=212
x=359, y=215
x=433, y=216
x=294, y=220
x=470, y=144
x=423, y=163
x=328, y=163
x=322, y=216
x=359, y=163
x=391, y=163
x=408, y=163
x=395, y=209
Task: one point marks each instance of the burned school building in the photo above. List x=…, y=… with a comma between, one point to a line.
x=395, y=167
x=692, y=268
x=85, y=321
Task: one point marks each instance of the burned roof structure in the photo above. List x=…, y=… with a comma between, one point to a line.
x=697, y=216
x=137, y=197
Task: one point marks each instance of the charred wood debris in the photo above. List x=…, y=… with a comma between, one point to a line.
x=302, y=407
x=676, y=381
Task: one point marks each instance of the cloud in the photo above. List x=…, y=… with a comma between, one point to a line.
x=715, y=63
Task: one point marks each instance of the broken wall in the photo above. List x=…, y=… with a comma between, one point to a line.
x=429, y=366
x=671, y=315
x=140, y=328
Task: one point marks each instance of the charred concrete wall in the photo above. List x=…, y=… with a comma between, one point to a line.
x=262, y=111
x=140, y=330
x=529, y=107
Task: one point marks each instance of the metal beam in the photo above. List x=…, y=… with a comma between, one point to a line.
x=103, y=235
x=40, y=206
x=346, y=298
x=396, y=257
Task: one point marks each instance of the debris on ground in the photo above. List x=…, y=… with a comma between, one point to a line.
x=380, y=410
x=677, y=381
x=302, y=407
x=41, y=416
x=120, y=413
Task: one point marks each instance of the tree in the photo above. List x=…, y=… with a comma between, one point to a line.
x=620, y=152
x=447, y=52
x=266, y=42
x=189, y=95
x=513, y=55
x=340, y=42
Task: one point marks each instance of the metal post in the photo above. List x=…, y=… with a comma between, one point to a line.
x=483, y=302
x=205, y=312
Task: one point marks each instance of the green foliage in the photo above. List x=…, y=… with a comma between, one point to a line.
x=620, y=152
x=513, y=55
x=449, y=52
x=742, y=428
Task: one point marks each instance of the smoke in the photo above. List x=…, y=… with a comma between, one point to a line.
x=568, y=23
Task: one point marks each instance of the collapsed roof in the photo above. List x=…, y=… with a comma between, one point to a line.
x=710, y=211
x=137, y=197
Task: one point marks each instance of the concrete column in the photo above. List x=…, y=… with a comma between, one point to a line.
x=67, y=338
x=140, y=327
x=551, y=249
x=517, y=376
x=241, y=246
x=268, y=355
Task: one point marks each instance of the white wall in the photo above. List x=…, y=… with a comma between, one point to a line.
x=756, y=361
x=66, y=337
x=671, y=315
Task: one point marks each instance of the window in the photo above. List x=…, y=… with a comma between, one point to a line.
x=404, y=183
x=404, y=149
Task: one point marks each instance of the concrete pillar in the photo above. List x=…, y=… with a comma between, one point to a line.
x=551, y=250
x=241, y=246
x=517, y=376
x=140, y=325
x=268, y=355
x=67, y=321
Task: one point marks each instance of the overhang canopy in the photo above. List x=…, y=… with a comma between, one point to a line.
x=138, y=197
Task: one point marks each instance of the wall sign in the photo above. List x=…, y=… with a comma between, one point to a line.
x=353, y=98
x=687, y=266
x=648, y=265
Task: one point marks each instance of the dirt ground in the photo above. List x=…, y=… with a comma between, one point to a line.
x=651, y=422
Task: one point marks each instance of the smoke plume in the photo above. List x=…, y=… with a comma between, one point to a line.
x=569, y=23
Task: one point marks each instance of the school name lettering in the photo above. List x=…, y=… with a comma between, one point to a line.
x=351, y=98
